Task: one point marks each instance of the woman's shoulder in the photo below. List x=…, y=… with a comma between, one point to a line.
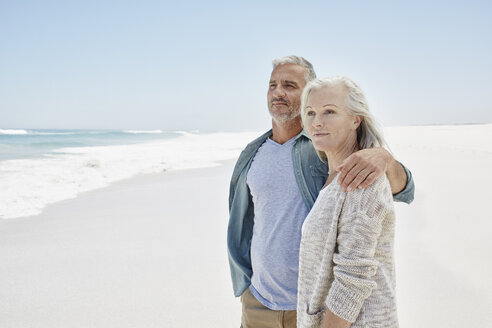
x=379, y=186
x=374, y=195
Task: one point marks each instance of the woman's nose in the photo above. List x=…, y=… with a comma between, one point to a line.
x=316, y=121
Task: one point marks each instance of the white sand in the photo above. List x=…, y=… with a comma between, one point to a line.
x=146, y=252
x=444, y=244
x=151, y=251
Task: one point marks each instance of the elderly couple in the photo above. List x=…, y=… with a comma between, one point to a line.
x=311, y=226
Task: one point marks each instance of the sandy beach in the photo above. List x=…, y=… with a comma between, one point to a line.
x=150, y=251
x=146, y=252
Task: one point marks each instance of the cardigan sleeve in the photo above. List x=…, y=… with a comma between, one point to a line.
x=359, y=227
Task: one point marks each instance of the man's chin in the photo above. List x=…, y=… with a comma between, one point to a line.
x=285, y=118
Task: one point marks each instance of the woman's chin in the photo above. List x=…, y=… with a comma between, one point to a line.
x=321, y=146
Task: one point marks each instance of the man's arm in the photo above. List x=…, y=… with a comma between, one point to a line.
x=362, y=168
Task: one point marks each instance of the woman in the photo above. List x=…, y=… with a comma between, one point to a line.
x=346, y=270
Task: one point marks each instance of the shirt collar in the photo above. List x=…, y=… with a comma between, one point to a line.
x=303, y=133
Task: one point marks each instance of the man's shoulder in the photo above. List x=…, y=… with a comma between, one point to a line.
x=261, y=139
x=248, y=152
x=256, y=143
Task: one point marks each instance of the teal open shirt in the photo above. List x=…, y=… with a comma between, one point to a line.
x=311, y=174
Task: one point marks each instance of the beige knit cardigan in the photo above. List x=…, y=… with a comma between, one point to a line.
x=346, y=258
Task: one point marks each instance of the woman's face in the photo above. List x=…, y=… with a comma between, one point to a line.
x=328, y=122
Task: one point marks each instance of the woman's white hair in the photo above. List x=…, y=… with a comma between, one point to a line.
x=369, y=134
x=297, y=60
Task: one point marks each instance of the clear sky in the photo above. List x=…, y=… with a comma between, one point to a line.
x=185, y=65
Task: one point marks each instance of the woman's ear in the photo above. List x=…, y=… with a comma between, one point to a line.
x=357, y=120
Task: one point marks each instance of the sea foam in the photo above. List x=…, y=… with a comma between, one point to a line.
x=28, y=185
x=144, y=131
x=13, y=131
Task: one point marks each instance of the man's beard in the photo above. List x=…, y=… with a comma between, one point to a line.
x=281, y=118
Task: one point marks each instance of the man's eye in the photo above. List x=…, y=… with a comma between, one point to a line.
x=272, y=86
x=290, y=86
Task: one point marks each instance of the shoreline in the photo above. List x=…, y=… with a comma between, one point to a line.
x=37, y=182
x=133, y=180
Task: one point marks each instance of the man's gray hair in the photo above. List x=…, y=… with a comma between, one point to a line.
x=297, y=60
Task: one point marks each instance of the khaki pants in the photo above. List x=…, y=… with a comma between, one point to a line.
x=256, y=315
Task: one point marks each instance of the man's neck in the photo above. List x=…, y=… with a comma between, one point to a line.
x=283, y=132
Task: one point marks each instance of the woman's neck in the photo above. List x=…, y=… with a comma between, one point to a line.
x=336, y=158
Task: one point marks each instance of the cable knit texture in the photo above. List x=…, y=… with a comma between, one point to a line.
x=346, y=258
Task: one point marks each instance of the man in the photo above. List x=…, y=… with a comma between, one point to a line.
x=274, y=185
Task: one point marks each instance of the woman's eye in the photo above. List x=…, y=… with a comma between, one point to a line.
x=310, y=113
x=329, y=111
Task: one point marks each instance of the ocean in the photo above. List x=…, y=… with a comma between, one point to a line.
x=17, y=143
x=41, y=167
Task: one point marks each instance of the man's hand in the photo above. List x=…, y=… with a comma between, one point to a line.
x=362, y=168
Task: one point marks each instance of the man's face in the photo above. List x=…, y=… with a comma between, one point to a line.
x=284, y=92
